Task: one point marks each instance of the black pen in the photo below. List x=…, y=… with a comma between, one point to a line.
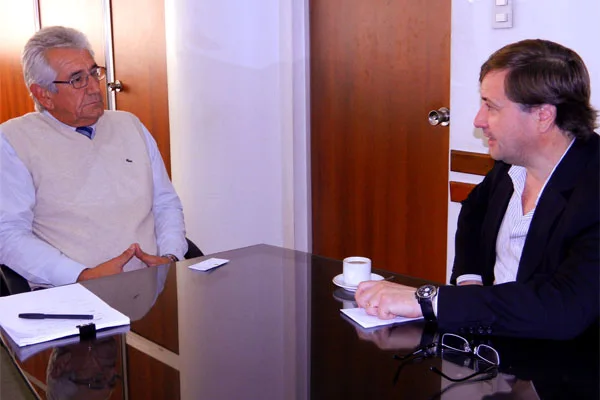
x=55, y=316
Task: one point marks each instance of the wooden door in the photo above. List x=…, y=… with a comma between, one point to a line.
x=16, y=26
x=379, y=170
x=141, y=65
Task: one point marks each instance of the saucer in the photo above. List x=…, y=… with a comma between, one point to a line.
x=339, y=281
x=343, y=295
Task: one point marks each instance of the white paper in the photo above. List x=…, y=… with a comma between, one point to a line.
x=70, y=299
x=360, y=316
x=24, y=352
x=209, y=264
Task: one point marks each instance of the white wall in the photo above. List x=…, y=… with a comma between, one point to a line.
x=573, y=23
x=237, y=100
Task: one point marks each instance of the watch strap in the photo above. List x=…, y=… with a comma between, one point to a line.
x=427, y=309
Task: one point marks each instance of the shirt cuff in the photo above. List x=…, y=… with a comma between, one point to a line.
x=67, y=272
x=468, y=277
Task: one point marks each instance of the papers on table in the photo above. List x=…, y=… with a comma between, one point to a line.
x=209, y=264
x=71, y=299
x=360, y=316
x=23, y=353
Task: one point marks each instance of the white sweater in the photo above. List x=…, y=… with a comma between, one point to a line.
x=93, y=197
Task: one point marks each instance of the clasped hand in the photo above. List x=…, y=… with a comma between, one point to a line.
x=115, y=265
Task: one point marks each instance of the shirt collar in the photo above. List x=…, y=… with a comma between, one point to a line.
x=45, y=112
x=518, y=174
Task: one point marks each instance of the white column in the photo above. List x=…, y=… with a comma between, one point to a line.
x=237, y=106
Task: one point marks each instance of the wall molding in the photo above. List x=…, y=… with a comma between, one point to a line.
x=469, y=163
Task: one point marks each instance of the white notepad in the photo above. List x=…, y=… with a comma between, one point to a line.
x=70, y=299
x=360, y=316
x=24, y=352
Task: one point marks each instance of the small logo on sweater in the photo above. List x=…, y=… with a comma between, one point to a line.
x=128, y=160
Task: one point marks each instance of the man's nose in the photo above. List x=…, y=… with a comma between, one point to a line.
x=93, y=85
x=480, y=120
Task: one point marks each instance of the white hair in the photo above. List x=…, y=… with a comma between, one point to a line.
x=35, y=65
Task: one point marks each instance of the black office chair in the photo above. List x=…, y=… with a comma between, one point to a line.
x=193, y=250
x=13, y=283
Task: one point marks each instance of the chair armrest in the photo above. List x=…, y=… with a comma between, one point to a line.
x=193, y=250
x=14, y=282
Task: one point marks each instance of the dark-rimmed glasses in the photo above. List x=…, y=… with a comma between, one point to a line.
x=484, y=352
x=81, y=79
x=458, y=343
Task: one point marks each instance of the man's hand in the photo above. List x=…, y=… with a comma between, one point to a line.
x=110, y=267
x=150, y=260
x=387, y=300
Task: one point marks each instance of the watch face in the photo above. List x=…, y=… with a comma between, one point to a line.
x=426, y=291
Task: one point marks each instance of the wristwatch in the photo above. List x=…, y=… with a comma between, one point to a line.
x=170, y=257
x=425, y=295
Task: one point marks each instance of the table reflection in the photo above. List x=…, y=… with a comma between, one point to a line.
x=85, y=370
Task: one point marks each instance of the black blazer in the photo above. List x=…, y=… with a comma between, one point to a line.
x=556, y=293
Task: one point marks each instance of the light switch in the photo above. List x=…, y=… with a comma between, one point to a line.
x=503, y=14
x=502, y=17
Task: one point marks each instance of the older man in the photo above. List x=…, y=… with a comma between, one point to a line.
x=528, y=239
x=83, y=191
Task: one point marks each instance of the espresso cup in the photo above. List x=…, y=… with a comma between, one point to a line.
x=356, y=270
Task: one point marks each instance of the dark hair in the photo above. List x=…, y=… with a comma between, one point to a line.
x=544, y=72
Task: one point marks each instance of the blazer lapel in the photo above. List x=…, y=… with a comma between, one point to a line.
x=493, y=220
x=550, y=207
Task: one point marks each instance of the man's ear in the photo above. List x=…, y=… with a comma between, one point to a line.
x=546, y=115
x=42, y=95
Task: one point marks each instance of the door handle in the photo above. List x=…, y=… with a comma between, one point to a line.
x=439, y=117
x=115, y=86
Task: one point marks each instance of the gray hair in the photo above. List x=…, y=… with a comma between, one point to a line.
x=35, y=65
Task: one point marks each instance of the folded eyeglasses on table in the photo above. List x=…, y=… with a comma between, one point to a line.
x=481, y=358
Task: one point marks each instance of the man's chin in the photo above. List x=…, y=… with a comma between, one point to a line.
x=93, y=113
x=495, y=154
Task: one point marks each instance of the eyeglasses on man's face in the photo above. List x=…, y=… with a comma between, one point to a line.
x=81, y=79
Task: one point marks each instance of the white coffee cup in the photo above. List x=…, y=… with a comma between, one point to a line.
x=356, y=270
